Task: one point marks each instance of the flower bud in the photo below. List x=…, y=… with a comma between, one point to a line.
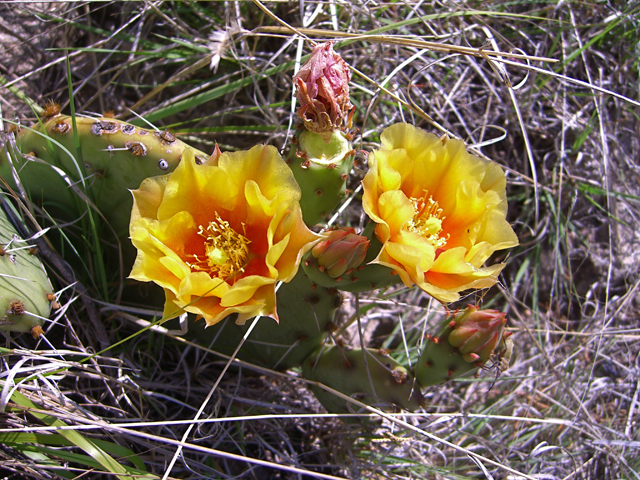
x=322, y=88
x=476, y=333
x=342, y=251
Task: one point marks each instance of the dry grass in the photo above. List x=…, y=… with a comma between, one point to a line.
x=567, y=133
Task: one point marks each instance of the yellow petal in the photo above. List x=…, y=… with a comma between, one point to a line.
x=148, y=197
x=197, y=189
x=264, y=166
x=292, y=234
x=171, y=309
x=396, y=209
x=200, y=284
x=158, y=241
x=244, y=289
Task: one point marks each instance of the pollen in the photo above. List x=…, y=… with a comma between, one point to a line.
x=427, y=221
x=226, y=251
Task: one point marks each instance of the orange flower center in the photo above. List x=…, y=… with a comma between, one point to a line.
x=226, y=250
x=427, y=221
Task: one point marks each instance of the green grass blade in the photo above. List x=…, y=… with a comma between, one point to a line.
x=56, y=439
x=204, y=97
x=91, y=448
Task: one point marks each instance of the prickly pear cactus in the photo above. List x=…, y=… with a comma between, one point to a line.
x=113, y=157
x=379, y=381
x=463, y=344
x=25, y=291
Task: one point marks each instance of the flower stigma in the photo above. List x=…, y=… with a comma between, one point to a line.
x=226, y=250
x=427, y=221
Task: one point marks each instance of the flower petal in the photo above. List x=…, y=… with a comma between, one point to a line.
x=197, y=189
x=158, y=241
x=264, y=166
x=148, y=197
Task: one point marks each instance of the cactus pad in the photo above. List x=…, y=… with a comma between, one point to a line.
x=114, y=156
x=321, y=169
x=306, y=315
x=346, y=371
x=25, y=290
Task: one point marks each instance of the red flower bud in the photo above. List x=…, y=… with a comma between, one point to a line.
x=322, y=86
x=342, y=251
x=476, y=333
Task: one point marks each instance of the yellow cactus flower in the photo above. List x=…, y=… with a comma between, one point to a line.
x=440, y=211
x=218, y=236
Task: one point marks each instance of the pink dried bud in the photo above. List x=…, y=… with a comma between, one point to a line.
x=476, y=333
x=322, y=88
x=342, y=251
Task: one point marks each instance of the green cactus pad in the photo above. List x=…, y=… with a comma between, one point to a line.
x=346, y=371
x=25, y=291
x=305, y=313
x=321, y=169
x=113, y=157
